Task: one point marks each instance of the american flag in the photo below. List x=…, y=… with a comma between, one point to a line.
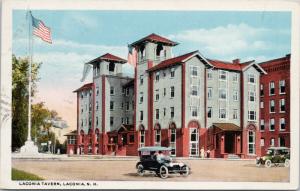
x=41, y=30
x=132, y=56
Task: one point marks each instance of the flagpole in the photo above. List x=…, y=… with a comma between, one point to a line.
x=29, y=77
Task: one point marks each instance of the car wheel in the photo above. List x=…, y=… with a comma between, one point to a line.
x=268, y=163
x=186, y=171
x=140, y=170
x=287, y=163
x=163, y=171
x=258, y=164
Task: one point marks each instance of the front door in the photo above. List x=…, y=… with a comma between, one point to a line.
x=229, y=143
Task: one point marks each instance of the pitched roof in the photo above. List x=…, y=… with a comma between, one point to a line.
x=85, y=86
x=229, y=65
x=171, y=61
x=227, y=126
x=155, y=38
x=278, y=61
x=108, y=57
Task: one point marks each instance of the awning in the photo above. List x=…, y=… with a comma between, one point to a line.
x=227, y=127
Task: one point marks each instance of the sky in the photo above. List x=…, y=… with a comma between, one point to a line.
x=80, y=36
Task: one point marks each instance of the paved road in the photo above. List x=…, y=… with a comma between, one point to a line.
x=202, y=170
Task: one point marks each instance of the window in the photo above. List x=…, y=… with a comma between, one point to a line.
x=194, y=111
x=282, y=124
x=194, y=90
x=194, y=70
x=172, y=72
x=262, y=142
x=156, y=95
x=97, y=90
x=251, y=78
x=172, y=91
x=111, y=121
x=209, y=74
x=261, y=104
x=127, y=106
x=72, y=139
x=131, y=138
x=157, y=114
x=165, y=109
x=141, y=79
x=81, y=110
x=123, y=90
x=97, y=122
x=142, y=138
x=194, y=142
x=141, y=97
x=111, y=105
x=122, y=105
x=157, y=137
x=272, y=142
x=209, y=93
x=272, y=106
x=235, y=114
x=222, y=93
x=282, y=105
x=90, y=107
x=251, y=115
x=141, y=115
x=122, y=120
x=97, y=105
x=222, y=113
x=111, y=67
x=173, y=142
x=112, y=90
x=235, y=77
x=127, y=91
x=251, y=142
x=81, y=95
x=159, y=49
x=127, y=120
x=262, y=124
x=157, y=76
x=164, y=73
x=235, y=95
x=282, y=86
x=209, y=112
x=272, y=88
x=272, y=124
x=251, y=96
x=261, y=90
x=281, y=142
x=172, y=111
x=165, y=92
x=222, y=75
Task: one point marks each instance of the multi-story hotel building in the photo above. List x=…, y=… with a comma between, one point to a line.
x=275, y=103
x=185, y=102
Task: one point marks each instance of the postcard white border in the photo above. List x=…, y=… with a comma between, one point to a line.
x=228, y=5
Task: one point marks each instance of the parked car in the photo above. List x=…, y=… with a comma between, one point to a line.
x=275, y=156
x=157, y=159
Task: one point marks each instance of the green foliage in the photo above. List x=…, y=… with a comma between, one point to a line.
x=20, y=98
x=21, y=175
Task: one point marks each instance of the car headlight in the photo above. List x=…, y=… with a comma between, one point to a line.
x=264, y=158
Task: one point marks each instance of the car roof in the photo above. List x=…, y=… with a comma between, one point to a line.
x=278, y=148
x=142, y=149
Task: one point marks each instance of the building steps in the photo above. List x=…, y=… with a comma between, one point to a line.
x=232, y=157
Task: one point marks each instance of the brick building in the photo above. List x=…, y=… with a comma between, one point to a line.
x=185, y=102
x=275, y=103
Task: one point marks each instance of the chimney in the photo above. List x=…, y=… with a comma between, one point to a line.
x=236, y=61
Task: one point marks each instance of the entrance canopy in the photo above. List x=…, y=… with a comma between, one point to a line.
x=221, y=127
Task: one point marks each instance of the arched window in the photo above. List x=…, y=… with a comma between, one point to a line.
x=251, y=142
x=157, y=138
x=172, y=131
x=159, y=48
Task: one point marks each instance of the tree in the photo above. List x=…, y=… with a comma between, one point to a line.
x=20, y=95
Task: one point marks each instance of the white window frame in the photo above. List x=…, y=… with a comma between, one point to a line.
x=142, y=134
x=220, y=113
x=261, y=90
x=251, y=94
x=209, y=93
x=141, y=79
x=194, y=69
x=235, y=114
x=172, y=72
x=172, y=87
x=262, y=122
x=194, y=88
x=157, y=134
x=282, y=83
x=272, y=142
x=272, y=121
x=141, y=115
x=251, y=76
x=234, y=77
x=262, y=142
x=157, y=114
x=156, y=94
x=157, y=77
x=222, y=90
x=211, y=113
x=194, y=109
x=222, y=73
x=251, y=113
x=172, y=108
x=271, y=86
x=112, y=90
x=173, y=143
x=141, y=100
x=282, y=103
x=235, y=95
x=209, y=74
x=261, y=104
x=112, y=103
x=272, y=101
x=193, y=145
x=282, y=121
x=251, y=143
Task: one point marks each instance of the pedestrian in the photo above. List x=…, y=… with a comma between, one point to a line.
x=202, y=152
x=208, y=153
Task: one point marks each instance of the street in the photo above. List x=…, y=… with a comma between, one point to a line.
x=201, y=170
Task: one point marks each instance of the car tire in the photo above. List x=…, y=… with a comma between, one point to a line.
x=287, y=163
x=140, y=170
x=186, y=171
x=258, y=164
x=268, y=163
x=163, y=172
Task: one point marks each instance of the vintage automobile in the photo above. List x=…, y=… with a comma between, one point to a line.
x=151, y=160
x=275, y=156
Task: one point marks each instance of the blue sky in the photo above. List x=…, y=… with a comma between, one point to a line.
x=79, y=36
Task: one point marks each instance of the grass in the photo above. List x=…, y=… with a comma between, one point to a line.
x=22, y=175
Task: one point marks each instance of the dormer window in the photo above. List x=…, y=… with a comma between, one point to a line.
x=111, y=67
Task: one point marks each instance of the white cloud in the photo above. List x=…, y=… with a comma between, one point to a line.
x=225, y=40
